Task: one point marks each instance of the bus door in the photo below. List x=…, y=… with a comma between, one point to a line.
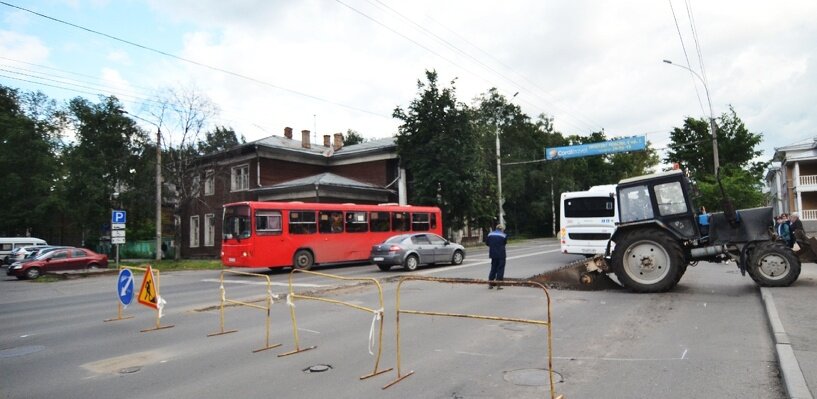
x=331, y=237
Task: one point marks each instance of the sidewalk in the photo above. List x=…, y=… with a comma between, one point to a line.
x=792, y=314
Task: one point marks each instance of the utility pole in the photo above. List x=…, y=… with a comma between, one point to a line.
x=499, y=170
x=712, y=127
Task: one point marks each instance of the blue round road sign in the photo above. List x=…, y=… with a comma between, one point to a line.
x=124, y=287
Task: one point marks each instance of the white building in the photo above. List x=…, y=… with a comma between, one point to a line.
x=792, y=182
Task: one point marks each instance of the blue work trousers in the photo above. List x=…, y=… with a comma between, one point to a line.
x=497, y=269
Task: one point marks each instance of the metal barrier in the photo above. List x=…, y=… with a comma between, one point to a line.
x=267, y=308
x=546, y=323
x=158, y=310
x=377, y=315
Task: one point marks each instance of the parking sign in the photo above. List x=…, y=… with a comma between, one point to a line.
x=118, y=217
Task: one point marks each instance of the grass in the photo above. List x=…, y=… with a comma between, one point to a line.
x=168, y=265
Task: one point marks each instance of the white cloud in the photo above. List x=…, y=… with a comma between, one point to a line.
x=22, y=47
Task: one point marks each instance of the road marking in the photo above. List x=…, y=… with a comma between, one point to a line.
x=482, y=262
x=621, y=359
x=215, y=280
x=307, y=330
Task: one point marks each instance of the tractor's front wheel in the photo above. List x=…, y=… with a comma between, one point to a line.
x=772, y=264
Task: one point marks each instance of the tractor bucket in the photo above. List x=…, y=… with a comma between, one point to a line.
x=582, y=275
x=807, y=253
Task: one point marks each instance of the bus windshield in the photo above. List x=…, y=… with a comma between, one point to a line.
x=236, y=222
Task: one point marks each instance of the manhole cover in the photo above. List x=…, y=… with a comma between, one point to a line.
x=129, y=370
x=532, y=377
x=318, y=368
x=20, y=351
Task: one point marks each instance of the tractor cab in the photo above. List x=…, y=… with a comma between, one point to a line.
x=663, y=199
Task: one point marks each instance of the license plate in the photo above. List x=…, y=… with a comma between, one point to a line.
x=378, y=259
x=230, y=259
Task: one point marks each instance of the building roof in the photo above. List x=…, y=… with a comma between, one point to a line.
x=804, y=149
x=278, y=142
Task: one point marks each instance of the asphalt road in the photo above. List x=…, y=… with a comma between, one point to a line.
x=706, y=338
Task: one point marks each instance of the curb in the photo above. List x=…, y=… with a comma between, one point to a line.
x=793, y=378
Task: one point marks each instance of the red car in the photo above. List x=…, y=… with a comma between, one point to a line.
x=58, y=260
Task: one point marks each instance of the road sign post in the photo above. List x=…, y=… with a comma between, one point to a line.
x=118, y=220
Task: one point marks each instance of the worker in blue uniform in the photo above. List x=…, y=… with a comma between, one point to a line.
x=496, y=241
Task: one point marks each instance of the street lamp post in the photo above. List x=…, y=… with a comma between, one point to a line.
x=499, y=171
x=712, y=127
x=158, y=184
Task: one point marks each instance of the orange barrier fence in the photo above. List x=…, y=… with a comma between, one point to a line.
x=268, y=305
x=377, y=315
x=546, y=323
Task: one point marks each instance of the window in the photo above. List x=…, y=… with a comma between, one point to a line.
x=240, y=178
x=59, y=255
x=195, y=186
x=331, y=222
x=209, y=182
x=268, y=222
x=670, y=198
x=236, y=222
x=379, y=221
x=357, y=222
x=589, y=207
x=209, y=230
x=400, y=221
x=302, y=222
x=420, y=221
x=420, y=240
x=436, y=240
x=194, y=231
x=635, y=204
x=78, y=253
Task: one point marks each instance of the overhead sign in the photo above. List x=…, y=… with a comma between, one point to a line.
x=147, y=294
x=118, y=217
x=124, y=287
x=627, y=144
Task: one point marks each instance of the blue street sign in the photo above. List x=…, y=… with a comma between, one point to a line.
x=118, y=216
x=124, y=287
x=636, y=143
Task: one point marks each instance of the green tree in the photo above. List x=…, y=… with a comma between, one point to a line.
x=102, y=160
x=741, y=174
x=220, y=139
x=29, y=143
x=439, y=148
x=352, y=137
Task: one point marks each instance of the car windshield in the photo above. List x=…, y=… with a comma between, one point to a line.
x=395, y=239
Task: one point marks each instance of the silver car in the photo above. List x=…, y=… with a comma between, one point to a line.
x=412, y=250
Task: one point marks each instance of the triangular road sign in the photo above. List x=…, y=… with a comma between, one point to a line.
x=147, y=295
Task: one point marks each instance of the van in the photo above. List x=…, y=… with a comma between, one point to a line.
x=8, y=244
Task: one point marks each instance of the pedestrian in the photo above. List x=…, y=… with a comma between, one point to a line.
x=797, y=231
x=496, y=241
x=783, y=231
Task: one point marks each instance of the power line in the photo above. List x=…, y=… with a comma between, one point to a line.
x=686, y=57
x=200, y=64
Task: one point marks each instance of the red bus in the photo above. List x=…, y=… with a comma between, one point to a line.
x=300, y=235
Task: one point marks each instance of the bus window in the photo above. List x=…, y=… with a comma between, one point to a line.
x=302, y=222
x=330, y=222
x=268, y=222
x=419, y=222
x=399, y=221
x=433, y=221
x=357, y=222
x=236, y=222
x=379, y=221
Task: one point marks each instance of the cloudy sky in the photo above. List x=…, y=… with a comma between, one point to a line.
x=328, y=66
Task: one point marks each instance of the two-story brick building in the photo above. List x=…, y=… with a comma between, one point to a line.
x=792, y=182
x=280, y=168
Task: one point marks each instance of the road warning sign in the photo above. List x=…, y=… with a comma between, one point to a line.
x=148, y=295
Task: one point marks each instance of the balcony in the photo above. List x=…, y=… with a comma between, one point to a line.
x=808, y=182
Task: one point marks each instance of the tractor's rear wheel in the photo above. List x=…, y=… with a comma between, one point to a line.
x=772, y=264
x=648, y=260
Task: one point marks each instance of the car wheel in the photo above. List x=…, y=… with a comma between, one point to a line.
x=93, y=266
x=458, y=257
x=384, y=268
x=303, y=260
x=32, y=273
x=411, y=263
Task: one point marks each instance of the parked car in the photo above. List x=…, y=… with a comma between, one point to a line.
x=412, y=250
x=21, y=253
x=7, y=244
x=58, y=260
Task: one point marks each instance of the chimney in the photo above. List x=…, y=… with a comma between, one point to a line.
x=305, y=139
x=326, y=140
x=338, y=141
x=288, y=132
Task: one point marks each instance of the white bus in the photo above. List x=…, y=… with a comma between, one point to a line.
x=587, y=220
